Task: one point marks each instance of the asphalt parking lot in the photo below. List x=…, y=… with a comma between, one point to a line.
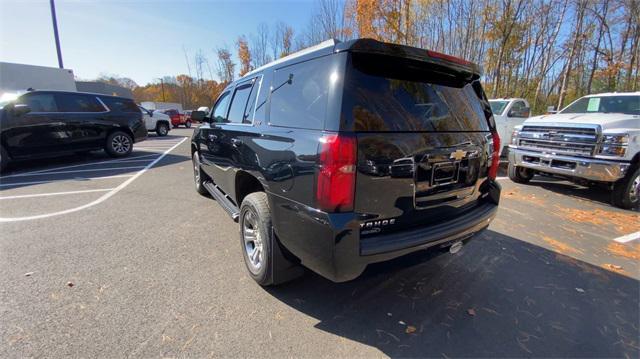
x=113, y=258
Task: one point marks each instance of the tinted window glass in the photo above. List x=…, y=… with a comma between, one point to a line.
x=239, y=103
x=120, y=104
x=604, y=104
x=39, y=102
x=300, y=93
x=392, y=97
x=498, y=106
x=79, y=103
x=219, y=112
x=251, y=104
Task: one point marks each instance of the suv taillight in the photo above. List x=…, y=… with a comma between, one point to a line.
x=495, y=156
x=337, y=175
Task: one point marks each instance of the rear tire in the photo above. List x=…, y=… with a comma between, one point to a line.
x=162, y=129
x=519, y=174
x=255, y=238
x=626, y=192
x=198, y=176
x=119, y=144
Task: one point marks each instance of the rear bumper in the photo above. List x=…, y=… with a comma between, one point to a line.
x=330, y=243
x=576, y=167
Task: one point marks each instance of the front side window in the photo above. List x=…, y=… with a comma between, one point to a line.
x=497, y=107
x=79, y=103
x=239, y=103
x=39, y=102
x=605, y=104
x=219, y=112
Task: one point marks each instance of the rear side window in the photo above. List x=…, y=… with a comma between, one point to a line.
x=39, y=102
x=300, y=94
x=79, y=103
x=387, y=97
x=237, y=113
x=120, y=104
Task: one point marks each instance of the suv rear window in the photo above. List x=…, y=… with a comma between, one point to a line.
x=387, y=95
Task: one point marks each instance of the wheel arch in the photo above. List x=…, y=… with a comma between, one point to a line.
x=246, y=183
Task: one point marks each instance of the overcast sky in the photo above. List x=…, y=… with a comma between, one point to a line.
x=142, y=40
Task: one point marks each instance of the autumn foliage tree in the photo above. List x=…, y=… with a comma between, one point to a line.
x=244, y=54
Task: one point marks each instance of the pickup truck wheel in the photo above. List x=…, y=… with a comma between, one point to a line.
x=119, y=144
x=255, y=237
x=187, y=124
x=198, y=176
x=626, y=192
x=162, y=129
x=519, y=174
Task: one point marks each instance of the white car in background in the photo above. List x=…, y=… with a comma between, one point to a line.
x=508, y=113
x=156, y=121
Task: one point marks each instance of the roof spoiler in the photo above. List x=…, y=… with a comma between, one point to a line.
x=465, y=68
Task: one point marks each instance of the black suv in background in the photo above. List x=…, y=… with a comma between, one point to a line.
x=49, y=123
x=350, y=153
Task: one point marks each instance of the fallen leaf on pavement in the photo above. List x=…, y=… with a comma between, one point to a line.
x=579, y=290
x=410, y=329
x=472, y=312
x=70, y=284
x=28, y=274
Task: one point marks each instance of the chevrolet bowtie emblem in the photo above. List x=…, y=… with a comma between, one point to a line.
x=458, y=155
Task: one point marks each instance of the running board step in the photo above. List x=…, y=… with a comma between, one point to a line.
x=223, y=200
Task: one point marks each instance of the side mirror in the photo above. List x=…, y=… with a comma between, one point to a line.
x=551, y=109
x=21, y=109
x=199, y=116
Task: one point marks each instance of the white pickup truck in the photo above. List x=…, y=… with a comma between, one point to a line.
x=156, y=121
x=508, y=113
x=596, y=139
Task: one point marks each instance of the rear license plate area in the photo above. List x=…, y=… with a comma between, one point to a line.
x=444, y=173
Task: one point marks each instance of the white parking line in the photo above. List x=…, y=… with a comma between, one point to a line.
x=55, y=193
x=82, y=165
x=628, y=238
x=102, y=198
x=74, y=171
x=62, y=180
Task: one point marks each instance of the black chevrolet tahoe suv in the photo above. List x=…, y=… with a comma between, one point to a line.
x=350, y=153
x=48, y=123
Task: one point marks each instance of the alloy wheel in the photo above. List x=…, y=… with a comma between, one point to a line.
x=121, y=144
x=196, y=169
x=253, y=244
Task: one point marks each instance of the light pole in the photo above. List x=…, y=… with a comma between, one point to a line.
x=55, y=33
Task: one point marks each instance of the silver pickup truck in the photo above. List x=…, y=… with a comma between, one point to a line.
x=596, y=139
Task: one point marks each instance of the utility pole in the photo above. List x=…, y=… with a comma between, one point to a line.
x=55, y=32
x=161, y=85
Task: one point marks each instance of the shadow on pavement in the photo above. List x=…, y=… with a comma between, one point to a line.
x=498, y=297
x=80, y=162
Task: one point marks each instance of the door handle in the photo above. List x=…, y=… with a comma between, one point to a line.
x=236, y=142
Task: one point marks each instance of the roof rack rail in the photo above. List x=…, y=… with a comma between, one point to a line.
x=322, y=45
